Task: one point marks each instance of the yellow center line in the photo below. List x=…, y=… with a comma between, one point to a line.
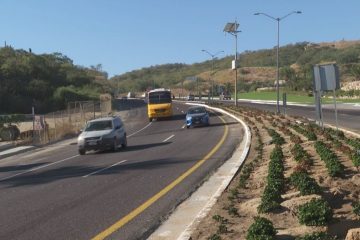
x=116, y=226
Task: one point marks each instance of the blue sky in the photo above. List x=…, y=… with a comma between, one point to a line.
x=125, y=35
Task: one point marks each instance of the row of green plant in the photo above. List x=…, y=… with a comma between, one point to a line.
x=353, y=142
x=337, y=138
x=271, y=198
x=301, y=156
x=249, y=167
x=222, y=227
x=293, y=137
x=276, y=137
x=334, y=166
x=310, y=135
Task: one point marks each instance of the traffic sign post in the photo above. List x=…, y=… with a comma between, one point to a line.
x=284, y=102
x=326, y=78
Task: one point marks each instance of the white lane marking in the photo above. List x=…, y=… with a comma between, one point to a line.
x=37, y=168
x=183, y=126
x=169, y=138
x=139, y=130
x=104, y=169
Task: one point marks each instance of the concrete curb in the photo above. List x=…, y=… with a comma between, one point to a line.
x=6, y=146
x=188, y=214
x=14, y=151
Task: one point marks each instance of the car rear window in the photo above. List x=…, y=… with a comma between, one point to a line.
x=196, y=110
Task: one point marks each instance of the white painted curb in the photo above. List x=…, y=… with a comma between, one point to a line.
x=199, y=204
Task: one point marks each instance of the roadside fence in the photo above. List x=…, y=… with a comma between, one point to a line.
x=39, y=129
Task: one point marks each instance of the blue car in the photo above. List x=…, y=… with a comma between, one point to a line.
x=197, y=116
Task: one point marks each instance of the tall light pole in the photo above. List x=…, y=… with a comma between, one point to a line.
x=231, y=28
x=277, y=52
x=212, y=69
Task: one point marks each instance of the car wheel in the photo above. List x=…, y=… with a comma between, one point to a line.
x=124, y=144
x=150, y=119
x=115, y=146
x=82, y=151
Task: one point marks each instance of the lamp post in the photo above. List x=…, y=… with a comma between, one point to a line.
x=277, y=52
x=231, y=28
x=212, y=69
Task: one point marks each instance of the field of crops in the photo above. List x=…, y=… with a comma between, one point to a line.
x=298, y=182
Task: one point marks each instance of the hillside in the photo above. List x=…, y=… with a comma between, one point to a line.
x=257, y=68
x=45, y=81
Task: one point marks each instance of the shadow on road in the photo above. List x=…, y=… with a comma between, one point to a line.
x=62, y=173
x=21, y=167
x=135, y=148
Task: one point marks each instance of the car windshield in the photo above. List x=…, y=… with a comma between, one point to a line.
x=98, y=126
x=196, y=110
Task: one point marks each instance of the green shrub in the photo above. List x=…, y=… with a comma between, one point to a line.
x=261, y=229
x=304, y=183
x=222, y=229
x=233, y=211
x=317, y=212
x=220, y=219
x=316, y=236
x=333, y=165
x=309, y=134
x=276, y=138
x=355, y=157
x=300, y=155
x=215, y=237
x=356, y=208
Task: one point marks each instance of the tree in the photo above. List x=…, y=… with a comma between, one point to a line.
x=355, y=71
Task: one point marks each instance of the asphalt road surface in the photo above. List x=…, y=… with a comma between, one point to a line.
x=54, y=193
x=348, y=116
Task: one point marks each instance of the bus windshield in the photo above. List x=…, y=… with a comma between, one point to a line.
x=159, y=97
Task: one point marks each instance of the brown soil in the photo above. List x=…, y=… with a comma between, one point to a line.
x=339, y=192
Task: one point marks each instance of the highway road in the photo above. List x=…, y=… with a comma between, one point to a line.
x=348, y=116
x=54, y=193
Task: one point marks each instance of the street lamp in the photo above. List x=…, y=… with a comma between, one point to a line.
x=212, y=69
x=277, y=51
x=232, y=29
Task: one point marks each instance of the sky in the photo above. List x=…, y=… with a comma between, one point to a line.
x=125, y=35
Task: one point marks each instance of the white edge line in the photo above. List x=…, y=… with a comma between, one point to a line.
x=185, y=235
x=169, y=138
x=139, y=130
x=103, y=169
x=40, y=167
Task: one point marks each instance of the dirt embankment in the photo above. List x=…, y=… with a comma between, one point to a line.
x=235, y=210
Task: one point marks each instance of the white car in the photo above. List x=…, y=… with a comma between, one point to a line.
x=101, y=134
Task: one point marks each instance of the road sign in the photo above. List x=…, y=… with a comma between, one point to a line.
x=326, y=77
x=39, y=123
